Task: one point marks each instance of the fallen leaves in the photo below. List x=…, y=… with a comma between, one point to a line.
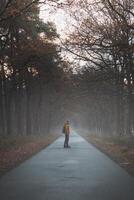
x=120, y=152
x=11, y=156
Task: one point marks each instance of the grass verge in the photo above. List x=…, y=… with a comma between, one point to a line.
x=119, y=149
x=16, y=149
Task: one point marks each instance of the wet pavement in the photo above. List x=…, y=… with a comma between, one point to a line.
x=79, y=173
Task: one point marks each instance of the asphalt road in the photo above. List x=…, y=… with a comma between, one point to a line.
x=79, y=173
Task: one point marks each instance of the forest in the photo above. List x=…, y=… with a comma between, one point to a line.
x=67, y=99
x=40, y=89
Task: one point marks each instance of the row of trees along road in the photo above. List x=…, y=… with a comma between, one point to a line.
x=31, y=70
x=35, y=93
x=103, y=38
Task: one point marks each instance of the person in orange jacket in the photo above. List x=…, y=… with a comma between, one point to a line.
x=66, y=131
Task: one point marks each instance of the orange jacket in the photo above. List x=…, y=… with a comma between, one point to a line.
x=66, y=129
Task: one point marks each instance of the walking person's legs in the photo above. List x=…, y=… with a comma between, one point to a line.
x=66, y=140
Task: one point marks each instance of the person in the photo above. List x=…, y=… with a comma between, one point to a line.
x=66, y=131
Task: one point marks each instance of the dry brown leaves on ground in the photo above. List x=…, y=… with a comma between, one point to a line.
x=11, y=156
x=121, y=153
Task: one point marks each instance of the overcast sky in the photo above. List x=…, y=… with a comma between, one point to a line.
x=63, y=23
x=59, y=17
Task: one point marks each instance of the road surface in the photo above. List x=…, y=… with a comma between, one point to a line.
x=79, y=173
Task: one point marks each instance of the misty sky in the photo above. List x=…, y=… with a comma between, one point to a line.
x=59, y=17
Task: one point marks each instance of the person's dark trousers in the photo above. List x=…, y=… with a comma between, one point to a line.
x=66, y=140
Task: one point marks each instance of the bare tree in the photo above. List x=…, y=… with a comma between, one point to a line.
x=103, y=36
